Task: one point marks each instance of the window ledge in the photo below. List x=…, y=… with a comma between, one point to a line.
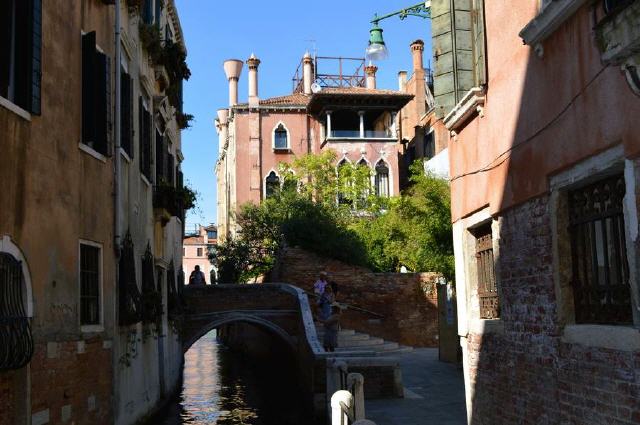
x=125, y=155
x=6, y=103
x=471, y=103
x=554, y=14
x=621, y=338
x=86, y=329
x=91, y=152
x=486, y=326
x=282, y=150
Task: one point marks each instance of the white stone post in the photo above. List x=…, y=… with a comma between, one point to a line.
x=341, y=404
x=355, y=382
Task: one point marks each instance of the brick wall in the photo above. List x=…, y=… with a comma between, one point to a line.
x=72, y=378
x=527, y=374
x=408, y=301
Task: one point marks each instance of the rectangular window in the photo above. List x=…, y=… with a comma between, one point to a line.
x=95, y=95
x=600, y=272
x=429, y=145
x=479, y=43
x=20, y=52
x=126, y=113
x=199, y=252
x=90, y=269
x=487, y=287
x=145, y=137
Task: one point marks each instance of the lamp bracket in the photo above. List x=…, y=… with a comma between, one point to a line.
x=421, y=10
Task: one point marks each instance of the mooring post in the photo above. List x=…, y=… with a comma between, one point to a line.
x=341, y=407
x=355, y=384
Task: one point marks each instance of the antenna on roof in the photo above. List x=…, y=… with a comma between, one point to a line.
x=314, y=47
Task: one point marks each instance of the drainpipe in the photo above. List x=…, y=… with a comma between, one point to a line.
x=118, y=171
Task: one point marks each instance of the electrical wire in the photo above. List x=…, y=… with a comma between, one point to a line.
x=492, y=165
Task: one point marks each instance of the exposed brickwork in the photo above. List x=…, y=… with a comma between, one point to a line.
x=527, y=375
x=62, y=376
x=408, y=301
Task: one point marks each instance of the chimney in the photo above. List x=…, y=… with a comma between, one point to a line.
x=223, y=127
x=232, y=69
x=253, y=63
x=402, y=81
x=307, y=72
x=370, y=70
x=417, y=47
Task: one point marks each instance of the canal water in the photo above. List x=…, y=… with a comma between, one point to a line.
x=224, y=388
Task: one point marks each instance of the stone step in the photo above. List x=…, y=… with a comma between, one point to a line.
x=352, y=343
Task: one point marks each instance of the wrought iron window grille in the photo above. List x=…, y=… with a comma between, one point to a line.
x=600, y=271
x=487, y=285
x=16, y=340
x=130, y=300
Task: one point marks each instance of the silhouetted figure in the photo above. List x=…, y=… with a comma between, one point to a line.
x=197, y=277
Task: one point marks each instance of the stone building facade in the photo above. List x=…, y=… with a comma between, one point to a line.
x=544, y=179
x=348, y=115
x=61, y=260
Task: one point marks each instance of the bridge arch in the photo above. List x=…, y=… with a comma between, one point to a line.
x=240, y=317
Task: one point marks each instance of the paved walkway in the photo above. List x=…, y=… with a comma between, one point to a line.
x=434, y=393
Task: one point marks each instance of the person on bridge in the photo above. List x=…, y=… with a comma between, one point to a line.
x=324, y=303
x=197, y=277
x=321, y=283
x=331, y=329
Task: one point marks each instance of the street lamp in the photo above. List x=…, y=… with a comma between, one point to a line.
x=377, y=50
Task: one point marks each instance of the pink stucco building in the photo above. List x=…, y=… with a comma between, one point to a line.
x=345, y=113
x=195, y=252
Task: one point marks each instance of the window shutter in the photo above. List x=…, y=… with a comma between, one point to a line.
x=36, y=53
x=126, y=111
x=159, y=157
x=109, y=114
x=147, y=12
x=5, y=40
x=479, y=43
x=141, y=132
x=158, y=12
x=100, y=110
x=88, y=88
x=147, y=145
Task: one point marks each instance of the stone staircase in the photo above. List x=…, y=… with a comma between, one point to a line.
x=358, y=344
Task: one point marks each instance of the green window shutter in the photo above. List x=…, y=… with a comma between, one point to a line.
x=479, y=43
x=88, y=88
x=101, y=104
x=6, y=11
x=36, y=54
x=141, y=132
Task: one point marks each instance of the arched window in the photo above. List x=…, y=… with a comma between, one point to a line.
x=382, y=179
x=343, y=198
x=272, y=184
x=280, y=137
x=16, y=342
x=364, y=180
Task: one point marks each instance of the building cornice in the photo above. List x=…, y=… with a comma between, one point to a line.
x=553, y=14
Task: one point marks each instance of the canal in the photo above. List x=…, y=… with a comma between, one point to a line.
x=225, y=388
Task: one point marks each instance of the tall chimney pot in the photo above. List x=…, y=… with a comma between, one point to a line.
x=371, y=70
x=222, y=125
x=307, y=73
x=417, y=47
x=232, y=69
x=253, y=62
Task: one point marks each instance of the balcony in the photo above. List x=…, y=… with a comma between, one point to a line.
x=367, y=134
x=167, y=202
x=350, y=125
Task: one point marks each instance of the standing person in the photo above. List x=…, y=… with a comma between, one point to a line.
x=197, y=277
x=324, y=303
x=321, y=283
x=331, y=328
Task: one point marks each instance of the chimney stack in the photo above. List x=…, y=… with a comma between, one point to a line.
x=402, y=81
x=307, y=72
x=417, y=47
x=253, y=64
x=223, y=127
x=232, y=69
x=370, y=70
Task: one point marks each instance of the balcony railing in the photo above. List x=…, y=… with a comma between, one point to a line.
x=355, y=134
x=166, y=197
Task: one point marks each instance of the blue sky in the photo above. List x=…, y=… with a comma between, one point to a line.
x=278, y=32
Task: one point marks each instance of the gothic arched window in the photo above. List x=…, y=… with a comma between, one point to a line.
x=280, y=137
x=382, y=179
x=272, y=184
x=16, y=342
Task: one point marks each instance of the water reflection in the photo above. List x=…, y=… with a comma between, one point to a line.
x=222, y=388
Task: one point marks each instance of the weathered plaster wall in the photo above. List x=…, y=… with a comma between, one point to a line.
x=408, y=301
